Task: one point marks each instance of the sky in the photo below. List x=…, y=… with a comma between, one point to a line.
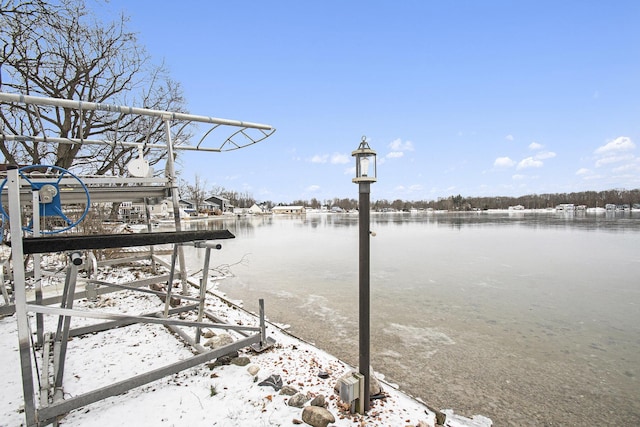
x=477, y=98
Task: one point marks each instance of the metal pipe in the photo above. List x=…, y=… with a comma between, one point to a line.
x=171, y=171
x=167, y=301
x=74, y=141
x=20, y=295
x=165, y=115
x=37, y=272
x=160, y=320
x=64, y=322
x=203, y=290
x=364, y=288
x=263, y=328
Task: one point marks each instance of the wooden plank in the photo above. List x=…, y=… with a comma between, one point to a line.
x=37, y=245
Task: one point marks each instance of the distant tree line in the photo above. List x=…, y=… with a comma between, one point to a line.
x=529, y=201
x=460, y=203
x=199, y=192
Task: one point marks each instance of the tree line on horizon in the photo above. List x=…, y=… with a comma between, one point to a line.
x=460, y=203
x=199, y=191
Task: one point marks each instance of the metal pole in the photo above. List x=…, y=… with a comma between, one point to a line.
x=166, y=115
x=37, y=273
x=15, y=220
x=363, y=217
x=176, y=204
x=203, y=289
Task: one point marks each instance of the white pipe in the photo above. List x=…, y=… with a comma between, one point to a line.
x=69, y=103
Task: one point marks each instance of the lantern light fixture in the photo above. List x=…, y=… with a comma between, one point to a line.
x=366, y=168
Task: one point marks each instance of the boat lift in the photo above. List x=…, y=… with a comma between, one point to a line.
x=46, y=194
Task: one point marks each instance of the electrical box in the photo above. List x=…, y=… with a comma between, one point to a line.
x=351, y=388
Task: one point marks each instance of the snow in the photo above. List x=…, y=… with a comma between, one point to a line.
x=223, y=396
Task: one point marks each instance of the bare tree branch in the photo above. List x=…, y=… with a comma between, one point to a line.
x=63, y=51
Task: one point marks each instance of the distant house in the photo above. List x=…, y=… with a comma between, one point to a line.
x=289, y=210
x=160, y=209
x=203, y=206
x=565, y=207
x=256, y=210
x=131, y=212
x=219, y=202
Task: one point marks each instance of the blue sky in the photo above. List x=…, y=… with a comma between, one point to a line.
x=478, y=98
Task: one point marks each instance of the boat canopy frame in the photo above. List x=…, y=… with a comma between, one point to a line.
x=52, y=405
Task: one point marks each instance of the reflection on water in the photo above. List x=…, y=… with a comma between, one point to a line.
x=531, y=319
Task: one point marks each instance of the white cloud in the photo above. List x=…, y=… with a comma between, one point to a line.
x=395, y=155
x=339, y=159
x=629, y=167
x=529, y=162
x=312, y=188
x=320, y=158
x=593, y=177
x=614, y=159
x=351, y=171
x=583, y=171
x=621, y=143
x=503, y=162
x=545, y=155
x=518, y=177
x=415, y=187
x=398, y=145
x=509, y=137
x=535, y=146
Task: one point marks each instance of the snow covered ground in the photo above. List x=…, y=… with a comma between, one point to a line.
x=228, y=395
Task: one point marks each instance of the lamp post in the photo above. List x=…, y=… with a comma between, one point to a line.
x=366, y=171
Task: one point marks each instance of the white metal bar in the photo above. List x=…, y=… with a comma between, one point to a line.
x=165, y=115
x=138, y=319
x=37, y=272
x=176, y=207
x=73, y=141
x=20, y=296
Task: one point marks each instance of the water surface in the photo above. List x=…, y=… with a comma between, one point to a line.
x=530, y=319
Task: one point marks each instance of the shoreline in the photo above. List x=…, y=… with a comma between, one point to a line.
x=295, y=359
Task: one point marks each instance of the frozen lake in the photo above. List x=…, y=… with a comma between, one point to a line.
x=518, y=317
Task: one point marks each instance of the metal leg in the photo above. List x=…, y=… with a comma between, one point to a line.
x=203, y=289
x=62, y=334
x=20, y=295
x=37, y=274
x=3, y=288
x=170, y=283
x=265, y=342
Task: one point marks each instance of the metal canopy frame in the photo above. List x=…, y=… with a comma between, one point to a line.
x=239, y=138
x=102, y=189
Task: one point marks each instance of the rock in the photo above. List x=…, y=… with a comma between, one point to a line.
x=319, y=400
x=274, y=381
x=173, y=302
x=297, y=421
x=241, y=361
x=220, y=361
x=324, y=375
x=219, y=341
x=288, y=390
x=253, y=370
x=298, y=400
x=317, y=417
x=208, y=334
